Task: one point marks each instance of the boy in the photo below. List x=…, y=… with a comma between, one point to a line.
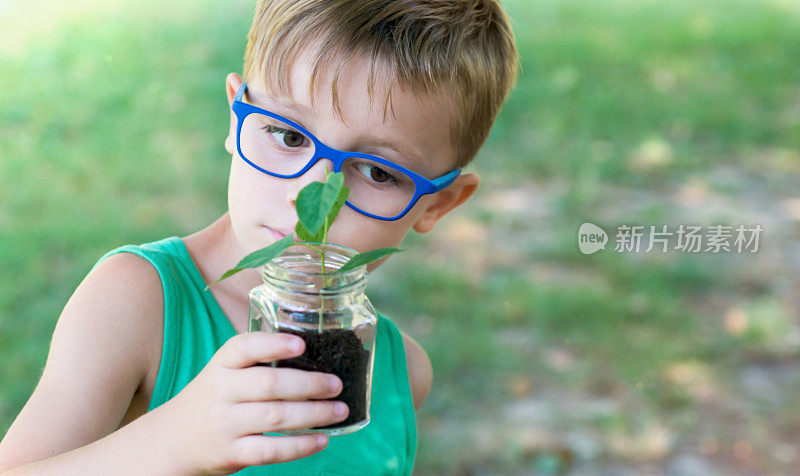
x=149, y=374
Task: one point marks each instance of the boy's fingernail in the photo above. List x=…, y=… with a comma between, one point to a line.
x=333, y=384
x=340, y=408
x=295, y=344
x=322, y=441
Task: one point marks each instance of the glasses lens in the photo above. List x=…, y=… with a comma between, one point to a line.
x=274, y=145
x=377, y=188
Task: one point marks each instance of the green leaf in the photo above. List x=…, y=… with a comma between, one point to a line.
x=344, y=192
x=268, y=253
x=310, y=207
x=260, y=257
x=367, y=257
x=304, y=234
x=316, y=201
x=319, y=237
x=335, y=181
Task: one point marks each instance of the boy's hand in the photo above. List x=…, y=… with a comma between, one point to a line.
x=220, y=416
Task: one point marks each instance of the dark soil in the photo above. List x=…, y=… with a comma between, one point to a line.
x=338, y=352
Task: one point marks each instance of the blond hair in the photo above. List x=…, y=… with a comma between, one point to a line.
x=463, y=48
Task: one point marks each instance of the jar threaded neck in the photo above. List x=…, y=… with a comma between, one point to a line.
x=299, y=270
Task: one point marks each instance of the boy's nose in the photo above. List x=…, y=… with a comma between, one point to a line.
x=315, y=174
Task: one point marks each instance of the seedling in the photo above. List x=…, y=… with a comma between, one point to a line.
x=318, y=205
x=339, y=351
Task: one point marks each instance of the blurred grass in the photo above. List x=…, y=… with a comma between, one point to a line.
x=716, y=80
x=112, y=121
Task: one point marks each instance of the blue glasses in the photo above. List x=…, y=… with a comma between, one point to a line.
x=280, y=147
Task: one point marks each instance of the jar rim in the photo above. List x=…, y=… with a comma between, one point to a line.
x=291, y=269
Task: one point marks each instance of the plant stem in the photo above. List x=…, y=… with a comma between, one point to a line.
x=325, y=282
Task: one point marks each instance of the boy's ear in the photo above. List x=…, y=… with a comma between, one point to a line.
x=446, y=200
x=232, y=84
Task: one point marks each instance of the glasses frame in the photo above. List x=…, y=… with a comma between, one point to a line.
x=422, y=185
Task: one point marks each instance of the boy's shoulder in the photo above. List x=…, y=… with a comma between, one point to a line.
x=122, y=274
x=139, y=276
x=120, y=306
x=123, y=293
x=420, y=370
x=154, y=252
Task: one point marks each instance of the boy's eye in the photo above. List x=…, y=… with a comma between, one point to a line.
x=375, y=173
x=287, y=137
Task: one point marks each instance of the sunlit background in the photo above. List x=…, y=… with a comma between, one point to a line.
x=547, y=360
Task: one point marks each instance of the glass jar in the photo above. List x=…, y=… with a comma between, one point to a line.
x=331, y=313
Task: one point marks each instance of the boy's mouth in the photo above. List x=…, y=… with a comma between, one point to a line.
x=276, y=233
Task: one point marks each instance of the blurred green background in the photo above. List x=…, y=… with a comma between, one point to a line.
x=547, y=361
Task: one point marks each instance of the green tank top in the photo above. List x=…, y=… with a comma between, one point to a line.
x=195, y=327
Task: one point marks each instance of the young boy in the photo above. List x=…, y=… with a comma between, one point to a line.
x=148, y=373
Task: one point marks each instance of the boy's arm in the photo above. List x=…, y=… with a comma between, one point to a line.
x=99, y=356
x=420, y=371
x=107, y=340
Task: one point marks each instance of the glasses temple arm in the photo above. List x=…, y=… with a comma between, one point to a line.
x=240, y=92
x=446, y=179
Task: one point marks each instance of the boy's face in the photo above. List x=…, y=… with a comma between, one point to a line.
x=262, y=207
